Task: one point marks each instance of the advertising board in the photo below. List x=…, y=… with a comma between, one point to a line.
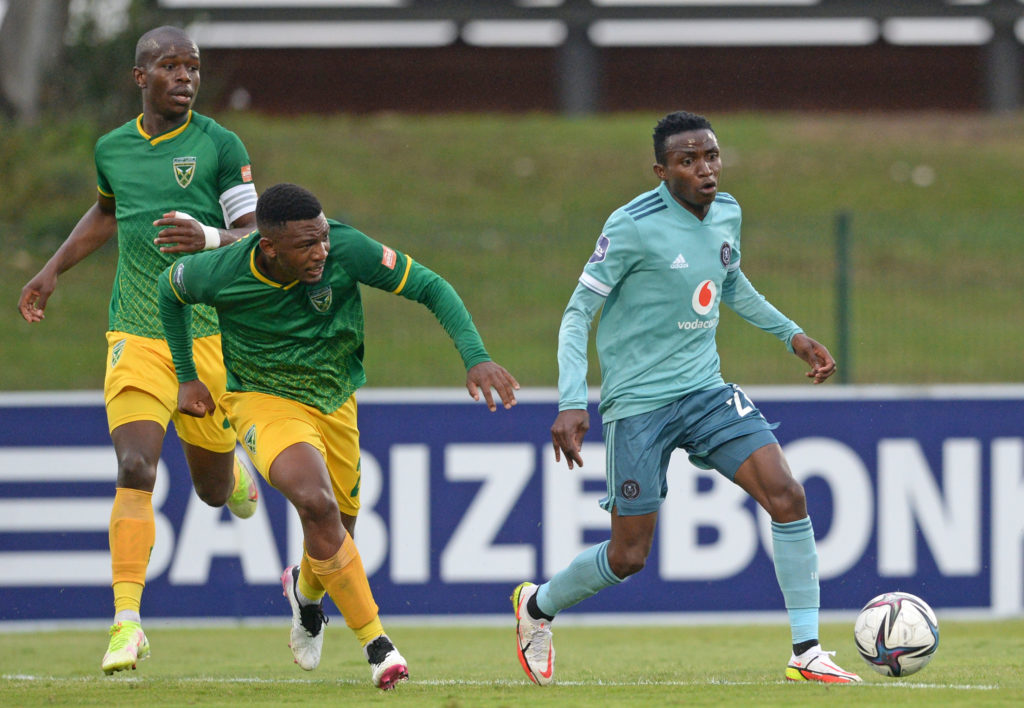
x=909, y=489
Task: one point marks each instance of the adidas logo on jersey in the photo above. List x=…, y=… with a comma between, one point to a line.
x=679, y=262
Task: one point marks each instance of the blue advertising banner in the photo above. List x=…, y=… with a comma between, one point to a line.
x=910, y=489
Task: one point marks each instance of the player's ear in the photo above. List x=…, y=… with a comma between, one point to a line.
x=139, y=74
x=659, y=171
x=267, y=246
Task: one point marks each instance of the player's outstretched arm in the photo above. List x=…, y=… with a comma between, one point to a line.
x=95, y=228
x=194, y=399
x=816, y=355
x=487, y=375
x=567, y=435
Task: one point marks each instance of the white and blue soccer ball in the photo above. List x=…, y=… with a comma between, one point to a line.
x=897, y=634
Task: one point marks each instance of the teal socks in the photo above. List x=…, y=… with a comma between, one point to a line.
x=588, y=574
x=796, y=567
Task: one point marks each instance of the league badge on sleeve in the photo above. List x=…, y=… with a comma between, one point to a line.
x=601, y=250
x=725, y=253
x=178, y=278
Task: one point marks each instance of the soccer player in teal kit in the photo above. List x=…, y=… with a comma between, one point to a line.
x=662, y=266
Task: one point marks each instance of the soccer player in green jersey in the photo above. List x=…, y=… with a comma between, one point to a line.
x=673, y=255
x=292, y=321
x=170, y=181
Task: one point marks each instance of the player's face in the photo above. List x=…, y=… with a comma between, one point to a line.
x=170, y=80
x=298, y=250
x=691, y=169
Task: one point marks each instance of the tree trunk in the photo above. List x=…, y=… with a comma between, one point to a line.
x=31, y=42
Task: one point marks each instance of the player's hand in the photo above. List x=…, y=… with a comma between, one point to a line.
x=179, y=234
x=567, y=435
x=816, y=355
x=35, y=294
x=194, y=399
x=487, y=375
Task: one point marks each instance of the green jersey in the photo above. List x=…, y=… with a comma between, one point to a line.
x=660, y=274
x=199, y=168
x=302, y=341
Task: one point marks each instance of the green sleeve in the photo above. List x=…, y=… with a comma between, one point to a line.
x=234, y=160
x=102, y=183
x=176, y=318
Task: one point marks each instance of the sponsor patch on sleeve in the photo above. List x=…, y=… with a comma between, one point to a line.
x=247, y=173
x=390, y=258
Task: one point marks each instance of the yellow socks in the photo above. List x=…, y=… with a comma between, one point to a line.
x=309, y=585
x=127, y=596
x=344, y=578
x=367, y=633
x=132, y=533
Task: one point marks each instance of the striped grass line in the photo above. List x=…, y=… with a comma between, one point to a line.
x=499, y=683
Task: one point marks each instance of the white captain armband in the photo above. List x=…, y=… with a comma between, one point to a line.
x=211, y=233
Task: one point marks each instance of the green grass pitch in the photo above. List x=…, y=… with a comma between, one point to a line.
x=978, y=664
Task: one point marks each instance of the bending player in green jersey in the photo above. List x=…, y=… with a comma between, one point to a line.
x=292, y=321
x=164, y=179
x=673, y=254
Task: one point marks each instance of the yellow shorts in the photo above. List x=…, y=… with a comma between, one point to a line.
x=267, y=425
x=140, y=384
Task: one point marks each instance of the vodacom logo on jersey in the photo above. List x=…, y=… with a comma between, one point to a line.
x=704, y=297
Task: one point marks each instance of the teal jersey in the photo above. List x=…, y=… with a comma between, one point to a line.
x=199, y=168
x=302, y=341
x=660, y=274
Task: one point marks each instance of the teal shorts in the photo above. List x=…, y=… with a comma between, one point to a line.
x=718, y=428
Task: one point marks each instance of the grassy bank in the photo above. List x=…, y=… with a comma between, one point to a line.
x=508, y=209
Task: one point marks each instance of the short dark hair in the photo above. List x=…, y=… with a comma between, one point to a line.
x=285, y=202
x=153, y=42
x=672, y=124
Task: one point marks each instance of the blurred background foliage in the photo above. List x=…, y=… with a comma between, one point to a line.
x=508, y=207
x=77, y=51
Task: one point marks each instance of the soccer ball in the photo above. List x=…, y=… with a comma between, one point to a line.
x=897, y=634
